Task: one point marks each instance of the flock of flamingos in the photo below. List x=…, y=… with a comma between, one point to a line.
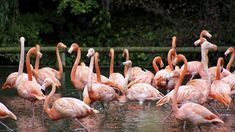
x=187, y=101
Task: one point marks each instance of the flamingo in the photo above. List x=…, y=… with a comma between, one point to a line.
x=11, y=79
x=195, y=113
x=139, y=91
x=136, y=71
x=116, y=77
x=79, y=73
x=48, y=72
x=29, y=89
x=156, y=60
x=5, y=113
x=96, y=91
x=65, y=107
x=227, y=52
x=220, y=87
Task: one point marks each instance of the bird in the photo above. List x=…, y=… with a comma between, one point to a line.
x=96, y=91
x=115, y=77
x=79, y=73
x=29, y=89
x=220, y=90
x=139, y=91
x=11, y=79
x=193, y=112
x=156, y=60
x=231, y=51
x=65, y=107
x=48, y=72
x=6, y=113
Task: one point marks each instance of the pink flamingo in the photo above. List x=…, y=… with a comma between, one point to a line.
x=156, y=60
x=66, y=107
x=79, y=73
x=139, y=91
x=96, y=91
x=231, y=51
x=29, y=89
x=5, y=113
x=220, y=88
x=11, y=79
x=195, y=113
x=114, y=77
x=48, y=72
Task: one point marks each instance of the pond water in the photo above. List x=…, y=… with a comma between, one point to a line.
x=126, y=117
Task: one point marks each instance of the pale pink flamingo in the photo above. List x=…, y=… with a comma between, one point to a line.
x=156, y=60
x=231, y=51
x=220, y=90
x=6, y=113
x=95, y=91
x=11, y=79
x=48, y=72
x=29, y=89
x=136, y=71
x=66, y=107
x=79, y=73
x=115, y=77
x=139, y=91
x=195, y=113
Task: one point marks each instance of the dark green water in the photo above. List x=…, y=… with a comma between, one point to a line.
x=129, y=117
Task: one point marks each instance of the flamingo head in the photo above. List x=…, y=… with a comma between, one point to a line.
x=205, y=33
x=22, y=39
x=38, y=47
x=47, y=82
x=172, y=74
x=61, y=45
x=73, y=47
x=208, y=45
x=129, y=63
x=199, y=41
x=39, y=54
x=229, y=51
x=91, y=52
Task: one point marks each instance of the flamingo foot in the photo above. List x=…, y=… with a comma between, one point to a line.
x=85, y=129
x=166, y=117
x=200, y=129
x=8, y=128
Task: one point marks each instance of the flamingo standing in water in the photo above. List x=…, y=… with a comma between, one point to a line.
x=139, y=91
x=48, y=72
x=231, y=51
x=5, y=113
x=11, y=79
x=195, y=113
x=220, y=87
x=116, y=77
x=96, y=91
x=66, y=107
x=29, y=89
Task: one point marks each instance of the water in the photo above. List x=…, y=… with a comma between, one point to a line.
x=126, y=117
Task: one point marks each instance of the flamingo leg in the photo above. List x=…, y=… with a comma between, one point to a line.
x=33, y=115
x=217, y=113
x=167, y=116
x=184, y=126
x=199, y=127
x=82, y=129
x=192, y=76
x=8, y=128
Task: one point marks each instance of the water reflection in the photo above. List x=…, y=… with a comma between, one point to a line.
x=119, y=117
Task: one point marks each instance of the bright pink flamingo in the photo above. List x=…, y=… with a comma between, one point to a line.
x=96, y=91
x=139, y=91
x=79, y=73
x=116, y=77
x=29, y=89
x=231, y=51
x=6, y=113
x=66, y=107
x=48, y=72
x=195, y=113
x=219, y=88
x=11, y=79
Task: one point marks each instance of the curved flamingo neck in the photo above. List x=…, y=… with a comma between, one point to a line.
x=220, y=63
x=91, y=66
x=59, y=61
x=172, y=52
x=231, y=60
x=74, y=68
x=48, y=98
x=111, y=52
x=126, y=55
x=180, y=57
x=22, y=52
x=37, y=61
x=155, y=61
x=127, y=77
x=97, y=68
x=28, y=68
